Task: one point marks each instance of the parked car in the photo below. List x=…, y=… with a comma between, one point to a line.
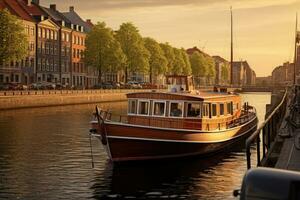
x=43, y=86
x=133, y=85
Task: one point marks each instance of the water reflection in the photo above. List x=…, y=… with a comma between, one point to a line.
x=45, y=154
x=192, y=178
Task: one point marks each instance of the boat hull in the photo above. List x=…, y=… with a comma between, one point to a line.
x=127, y=142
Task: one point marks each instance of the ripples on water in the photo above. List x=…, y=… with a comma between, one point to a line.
x=45, y=154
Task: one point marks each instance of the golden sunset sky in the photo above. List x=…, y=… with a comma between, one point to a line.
x=263, y=29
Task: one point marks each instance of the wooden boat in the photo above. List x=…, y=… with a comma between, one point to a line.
x=175, y=123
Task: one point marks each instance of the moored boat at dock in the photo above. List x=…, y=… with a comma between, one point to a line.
x=179, y=122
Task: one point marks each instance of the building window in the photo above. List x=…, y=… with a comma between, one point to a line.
x=193, y=110
x=55, y=35
x=17, y=78
x=78, y=53
x=213, y=110
x=67, y=37
x=159, y=108
x=32, y=31
x=144, y=107
x=132, y=107
x=222, y=110
x=176, y=109
x=63, y=36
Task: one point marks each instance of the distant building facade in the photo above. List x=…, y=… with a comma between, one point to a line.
x=56, y=46
x=283, y=75
x=220, y=65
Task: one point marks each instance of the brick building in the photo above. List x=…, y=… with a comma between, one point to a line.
x=56, y=46
x=220, y=64
x=82, y=75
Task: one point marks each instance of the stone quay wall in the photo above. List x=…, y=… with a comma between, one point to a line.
x=43, y=98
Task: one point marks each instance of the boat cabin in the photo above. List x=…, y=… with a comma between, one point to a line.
x=209, y=111
x=177, y=83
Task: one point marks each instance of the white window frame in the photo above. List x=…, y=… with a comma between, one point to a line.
x=182, y=113
x=223, y=109
x=136, y=101
x=138, y=107
x=201, y=108
x=204, y=104
x=165, y=106
x=211, y=110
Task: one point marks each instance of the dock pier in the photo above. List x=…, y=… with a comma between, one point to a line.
x=274, y=165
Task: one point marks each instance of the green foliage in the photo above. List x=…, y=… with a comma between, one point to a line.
x=211, y=71
x=13, y=40
x=157, y=60
x=198, y=64
x=103, y=50
x=179, y=63
x=187, y=70
x=133, y=46
x=225, y=73
x=170, y=56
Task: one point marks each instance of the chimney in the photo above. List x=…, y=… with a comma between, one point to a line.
x=71, y=8
x=28, y=2
x=37, y=2
x=53, y=6
x=89, y=21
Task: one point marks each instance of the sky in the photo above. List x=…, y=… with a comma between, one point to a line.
x=264, y=30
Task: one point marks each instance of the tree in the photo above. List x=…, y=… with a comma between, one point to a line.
x=187, y=70
x=133, y=47
x=179, y=63
x=211, y=71
x=13, y=42
x=157, y=60
x=170, y=56
x=198, y=64
x=224, y=73
x=103, y=50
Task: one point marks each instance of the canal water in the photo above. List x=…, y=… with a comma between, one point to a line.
x=45, y=154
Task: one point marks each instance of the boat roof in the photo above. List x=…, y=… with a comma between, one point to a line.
x=199, y=95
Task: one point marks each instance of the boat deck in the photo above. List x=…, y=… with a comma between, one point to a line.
x=289, y=157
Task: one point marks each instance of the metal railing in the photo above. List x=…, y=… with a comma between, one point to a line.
x=267, y=131
x=57, y=92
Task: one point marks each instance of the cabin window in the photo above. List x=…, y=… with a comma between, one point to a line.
x=144, y=107
x=176, y=109
x=229, y=108
x=205, y=110
x=132, y=106
x=221, y=109
x=234, y=107
x=159, y=108
x=213, y=110
x=193, y=110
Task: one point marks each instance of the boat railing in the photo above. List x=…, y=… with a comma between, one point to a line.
x=247, y=114
x=266, y=132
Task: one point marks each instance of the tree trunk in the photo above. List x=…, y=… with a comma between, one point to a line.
x=100, y=76
x=150, y=76
x=126, y=75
